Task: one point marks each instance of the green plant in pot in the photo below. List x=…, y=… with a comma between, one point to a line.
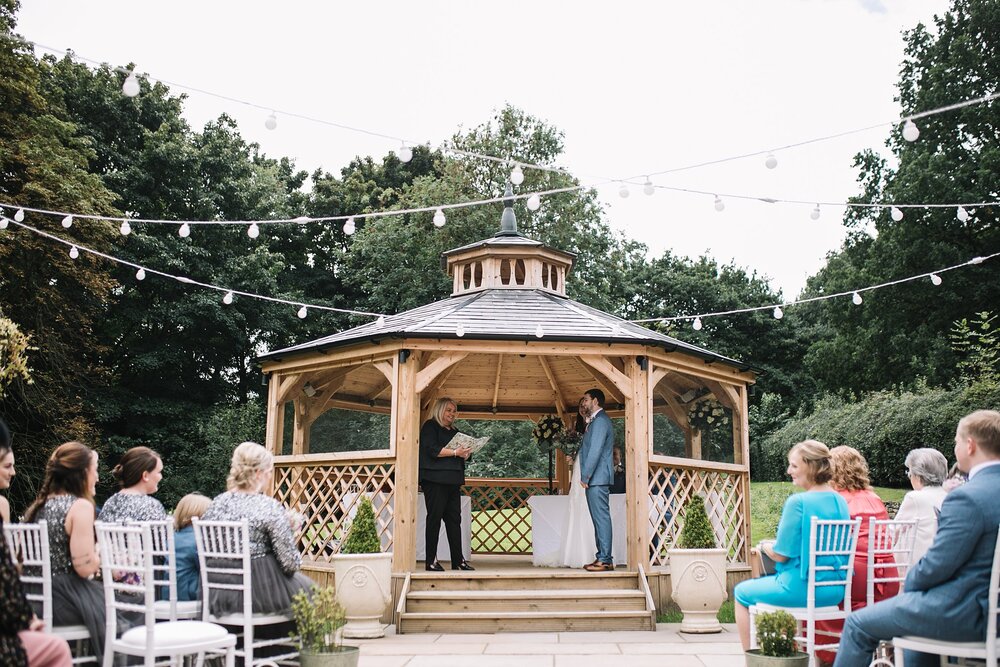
x=698, y=570
x=776, y=632
x=318, y=622
x=363, y=575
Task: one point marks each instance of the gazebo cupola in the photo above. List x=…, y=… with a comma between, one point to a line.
x=508, y=261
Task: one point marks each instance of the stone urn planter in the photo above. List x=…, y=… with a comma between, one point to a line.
x=363, y=583
x=756, y=659
x=698, y=583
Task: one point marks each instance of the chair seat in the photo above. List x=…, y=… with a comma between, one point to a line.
x=819, y=613
x=185, y=609
x=941, y=647
x=179, y=633
x=258, y=619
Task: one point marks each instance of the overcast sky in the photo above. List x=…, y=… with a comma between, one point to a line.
x=637, y=87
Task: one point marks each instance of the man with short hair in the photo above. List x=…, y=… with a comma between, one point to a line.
x=597, y=475
x=946, y=594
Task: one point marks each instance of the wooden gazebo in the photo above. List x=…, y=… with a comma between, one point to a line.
x=507, y=344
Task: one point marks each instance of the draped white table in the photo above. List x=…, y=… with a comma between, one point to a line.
x=548, y=520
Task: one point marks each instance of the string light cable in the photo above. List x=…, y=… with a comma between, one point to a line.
x=855, y=294
x=227, y=291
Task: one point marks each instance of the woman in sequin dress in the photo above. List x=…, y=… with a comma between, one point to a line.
x=275, y=559
x=66, y=502
x=138, y=473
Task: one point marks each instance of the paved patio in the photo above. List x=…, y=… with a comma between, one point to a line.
x=666, y=646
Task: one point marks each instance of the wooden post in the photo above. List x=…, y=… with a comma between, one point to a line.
x=744, y=420
x=300, y=434
x=638, y=440
x=274, y=432
x=406, y=426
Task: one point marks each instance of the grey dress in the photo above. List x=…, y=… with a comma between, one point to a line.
x=123, y=507
x=274, y=557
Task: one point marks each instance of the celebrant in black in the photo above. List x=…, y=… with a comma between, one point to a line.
x=442, y=474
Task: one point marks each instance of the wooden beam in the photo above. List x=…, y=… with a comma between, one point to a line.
x=724, y=393
x=560, y=402
x=405, y=425
x=436, y=367
x=675, y=409
x=621, y=381
x=275, y=429
x=386, y=368
x=300, y=434
x=496, y=380
x=325, y=401
x=289, y=384
x=638, y=445
x=430, y=394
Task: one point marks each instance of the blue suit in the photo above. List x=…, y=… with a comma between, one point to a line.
x=946, y=593
x=597, y=472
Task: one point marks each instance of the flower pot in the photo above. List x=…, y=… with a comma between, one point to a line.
x=698, y=582
x=755, y=659
x=346, y=656
x=363, y=583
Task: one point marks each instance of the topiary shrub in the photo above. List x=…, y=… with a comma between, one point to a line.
x=776, y=632
x=362, y=537
x=697, y=531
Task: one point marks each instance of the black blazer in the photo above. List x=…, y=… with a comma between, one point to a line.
x=446, y=470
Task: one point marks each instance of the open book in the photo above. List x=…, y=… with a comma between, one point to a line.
x=463, y=440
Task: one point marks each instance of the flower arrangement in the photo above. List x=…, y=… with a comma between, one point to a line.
x=546, y=431
x=569, y=442
x=707, y=413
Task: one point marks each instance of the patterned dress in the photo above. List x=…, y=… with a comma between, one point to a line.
x=123, y=507
x=275, y=560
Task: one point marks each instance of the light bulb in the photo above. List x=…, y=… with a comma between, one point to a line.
x=405, y=153
x=302, y=219
x=439, y=218
x=67, y=222
x=935, y=279
x=539, y=331
x=271, y=122
x=910, y=131
x=74, y=253
x=19, y=215
x=720, y=205
x=3, y=222
x=130, y=88
x=856, y=298
x=815, y=213
x=184, y=231
x=534, y=203
x=697, y=324
x=303, y=311
x=771, y=162
x=253, y=231
x=647, y=187
x=460, y=330
x=896, y=213
x=380, y=321
x=516, y=175
x=140, y=274
x=961, y=214
x=623, y=191
x=125, y=228
x=228, y=299
x=349, y=227
x=977, y=260
x=778, y=313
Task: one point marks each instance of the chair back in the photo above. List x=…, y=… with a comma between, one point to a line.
x=127, y=573
x=890, y=552
x=832, y=546
x=224, y=557
x=164, y=562
x=28, y=544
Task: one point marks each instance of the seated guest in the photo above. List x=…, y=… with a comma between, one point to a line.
x=22, y=637
x=946, y=594
x=618, y=486
x=185, y=551
x=138, y=473
x=809, y=467
x=66, y=502
x=850, y=479
x=927, y=469
x=275, y=560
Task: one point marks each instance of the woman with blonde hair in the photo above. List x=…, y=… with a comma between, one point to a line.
x=185, y=551
x=810, y=469
x=275, y=559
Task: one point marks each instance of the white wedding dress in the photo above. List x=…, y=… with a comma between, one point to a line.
x=579, y=546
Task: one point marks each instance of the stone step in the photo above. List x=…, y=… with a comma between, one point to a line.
x=555, y=600
x=524, y=621
x=469, y=581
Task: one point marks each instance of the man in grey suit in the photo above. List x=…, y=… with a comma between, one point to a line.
x=597, y=475
x=946, y=594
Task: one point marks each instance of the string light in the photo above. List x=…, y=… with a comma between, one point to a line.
x=534, y=202
x=896, y=213
x=697, y=324
x=516, y=175
x=74, y=252
x=623, y=191
x=228, y=299
x=349, y=227
x=720, y=205
x=140, y=274
x=405, y=153
x=381, y=321
x=271, y=122
x=770, y=161
x=815, y=213
x=977, y=260
x=539, y=332
x=253, y=231
x=3, y=222
x=910, y=131
x=439, y=218
x=778, y=313
x=130, y=88
x=67, y=222
x=962, y=214
x=19, y=215
x=184, y=231
x=856, y=298
x=303, y=311
x=125, y=229
x=460, y=330
x=648, y=187
x=935, y=279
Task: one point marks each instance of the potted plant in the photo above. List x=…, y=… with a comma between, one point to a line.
x=776, y=632
x=318, y=621
x=698, y=571
x=363, y=575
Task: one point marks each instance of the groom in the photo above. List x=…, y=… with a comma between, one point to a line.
x=597, y=475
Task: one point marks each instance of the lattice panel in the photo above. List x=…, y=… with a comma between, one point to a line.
x=501, y=518
x=328, y=496
x=724, y=493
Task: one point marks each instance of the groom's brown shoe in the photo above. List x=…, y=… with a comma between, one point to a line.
x=597, y=561
x=599, y=567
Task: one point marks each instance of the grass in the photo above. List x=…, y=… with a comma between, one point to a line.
x=673, y=614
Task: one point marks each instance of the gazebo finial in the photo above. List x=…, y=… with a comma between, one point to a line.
x=508, y=221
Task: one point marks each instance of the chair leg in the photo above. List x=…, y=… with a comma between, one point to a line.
x=752, y=613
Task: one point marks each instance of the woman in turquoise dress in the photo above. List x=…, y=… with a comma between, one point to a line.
x=810, y=469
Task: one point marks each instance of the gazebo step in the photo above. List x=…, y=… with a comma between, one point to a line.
x=560, y=600
x=525, y=621
x=533, y=581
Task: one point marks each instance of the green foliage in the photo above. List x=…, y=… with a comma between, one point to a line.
x=362, y=537
x=510, y=451
x=673, y=614
x=697, y=531
x=318, y=619
x=14, y=348
x=776, y=632
x=978, y=347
